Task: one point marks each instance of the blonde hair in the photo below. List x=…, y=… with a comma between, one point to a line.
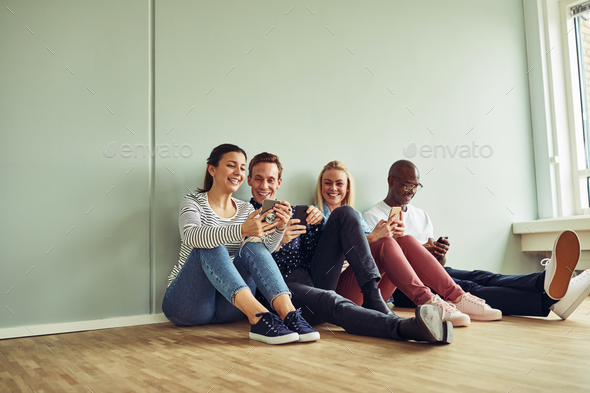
x=338, y=165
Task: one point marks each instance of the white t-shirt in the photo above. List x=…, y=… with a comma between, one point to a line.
x=417, y=222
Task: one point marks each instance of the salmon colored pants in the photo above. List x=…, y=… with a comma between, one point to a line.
x=406, y=264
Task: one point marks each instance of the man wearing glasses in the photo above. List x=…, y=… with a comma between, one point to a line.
x=530, y=294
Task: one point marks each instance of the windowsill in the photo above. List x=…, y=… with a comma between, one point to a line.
x=538, y=236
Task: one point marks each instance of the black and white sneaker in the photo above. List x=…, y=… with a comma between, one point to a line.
x=270, y=329
x=295, y=322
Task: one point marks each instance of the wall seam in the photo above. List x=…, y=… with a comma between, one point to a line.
x=152, y=159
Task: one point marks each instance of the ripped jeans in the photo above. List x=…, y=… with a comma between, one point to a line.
x=203, y=291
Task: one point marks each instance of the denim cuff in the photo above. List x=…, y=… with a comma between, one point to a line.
x=235, y=292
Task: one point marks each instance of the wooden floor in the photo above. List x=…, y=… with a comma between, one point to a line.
x=513, y=355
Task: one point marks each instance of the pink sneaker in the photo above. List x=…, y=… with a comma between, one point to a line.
x=477, y=308
x=448, y=312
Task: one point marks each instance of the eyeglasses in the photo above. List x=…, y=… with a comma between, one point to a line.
x=409, y=186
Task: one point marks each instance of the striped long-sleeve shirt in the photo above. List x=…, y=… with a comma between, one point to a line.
x=201, y=227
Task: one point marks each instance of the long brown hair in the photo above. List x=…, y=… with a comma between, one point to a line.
x=214, y=159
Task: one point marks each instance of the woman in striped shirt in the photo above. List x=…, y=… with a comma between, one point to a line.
x=224, y=257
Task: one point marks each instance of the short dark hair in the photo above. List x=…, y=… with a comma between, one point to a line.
x=214, y=159
x=265, y=157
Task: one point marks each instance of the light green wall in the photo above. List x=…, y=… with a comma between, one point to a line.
x=53, y=170
x=299, y=93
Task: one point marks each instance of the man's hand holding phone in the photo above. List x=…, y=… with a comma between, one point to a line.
x=439, y=248
x=400, y=228
x=296, y=225
x=293, y=229
x=391, y=227
x=396, y=219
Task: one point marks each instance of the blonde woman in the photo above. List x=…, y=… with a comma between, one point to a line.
x=402, y=261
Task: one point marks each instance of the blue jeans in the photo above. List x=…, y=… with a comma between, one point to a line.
x=203, y=291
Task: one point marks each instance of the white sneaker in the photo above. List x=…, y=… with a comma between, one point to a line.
x=579, y=288
x=477, y=308
x=448, y=312
x=561, y=265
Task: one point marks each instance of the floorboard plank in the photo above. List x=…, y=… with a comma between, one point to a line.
x=514, y=355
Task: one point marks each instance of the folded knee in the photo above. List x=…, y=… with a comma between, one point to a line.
x=208, y=252
x=345, y=213
x=387, y=240
x=407, y=240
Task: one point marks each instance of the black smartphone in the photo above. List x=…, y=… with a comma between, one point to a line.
x=268, y=204
x=440, y=239
x=301, y=214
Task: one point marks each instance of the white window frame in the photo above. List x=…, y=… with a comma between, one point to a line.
x=555, y=112
x=572, y=82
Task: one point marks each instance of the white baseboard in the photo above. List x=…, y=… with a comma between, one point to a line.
x=79, y=326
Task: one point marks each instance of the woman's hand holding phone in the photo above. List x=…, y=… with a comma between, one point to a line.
x=257, y=227
x=314, y=215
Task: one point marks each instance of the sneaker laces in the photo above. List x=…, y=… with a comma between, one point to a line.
x=545, y=262
x=474, y=299
x=445, y=306
x=273, y=321
x=296, y=319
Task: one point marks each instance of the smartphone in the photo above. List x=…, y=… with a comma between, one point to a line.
x=301, y=214
x=395, y=211
x=268, y=204
x=440, y=239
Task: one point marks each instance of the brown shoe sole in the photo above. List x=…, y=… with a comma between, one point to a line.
x=567, y=253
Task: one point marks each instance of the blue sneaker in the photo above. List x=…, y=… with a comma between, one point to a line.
x=295, y=322
x=270, y=329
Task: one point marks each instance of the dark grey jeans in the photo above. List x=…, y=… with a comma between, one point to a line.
x=321, y=305
x=342, y=239
x=313, y=287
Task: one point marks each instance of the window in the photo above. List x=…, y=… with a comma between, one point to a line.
x=581, y=21
x=558, y=40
